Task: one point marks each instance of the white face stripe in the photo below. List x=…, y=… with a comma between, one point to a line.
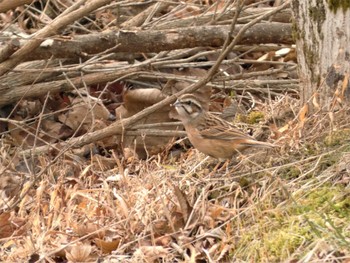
x=188, y=108
x=191, y=102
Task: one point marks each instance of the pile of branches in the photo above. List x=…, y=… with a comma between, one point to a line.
x=54, y=53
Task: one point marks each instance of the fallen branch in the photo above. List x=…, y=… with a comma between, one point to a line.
x=120, y=126
x=84, y=46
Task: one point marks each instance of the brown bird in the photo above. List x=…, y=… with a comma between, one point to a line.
x=210, y=134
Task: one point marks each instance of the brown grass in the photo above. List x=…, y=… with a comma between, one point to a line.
x=285, y=205
x=266, y=206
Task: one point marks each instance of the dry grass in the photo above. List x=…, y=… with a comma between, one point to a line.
x=285, y=205
x=274, y=206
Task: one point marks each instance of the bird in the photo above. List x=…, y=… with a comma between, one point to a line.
x=210, y=134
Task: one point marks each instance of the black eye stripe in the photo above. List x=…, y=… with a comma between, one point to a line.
x=190, y=102
x=190, y=106
x=185, y=109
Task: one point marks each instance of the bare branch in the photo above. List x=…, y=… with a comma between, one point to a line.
x=65, y=19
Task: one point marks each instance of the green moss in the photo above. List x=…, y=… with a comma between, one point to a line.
x=317, y=14
x=295, y=31
x=252, y=118
x=214, y=195
x=327, y=161
x=273, y=242
x=287, y=238
x=310, y=56
x=317, y=198
x=337, y=137
x=244, y=182
x=342, y=208
x=332, y=200
x=275, y=234
x=334, y=5
x=312, y=149
x=255, y=117
x=290, y=172
x=232, y=94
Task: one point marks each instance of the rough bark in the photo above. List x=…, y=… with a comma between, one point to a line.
x=158, y=40
x=322, y=39
x=10, y=4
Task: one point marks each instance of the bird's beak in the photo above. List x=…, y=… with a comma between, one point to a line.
x=176, y=104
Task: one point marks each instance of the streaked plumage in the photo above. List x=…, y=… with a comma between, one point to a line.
x=210, y=134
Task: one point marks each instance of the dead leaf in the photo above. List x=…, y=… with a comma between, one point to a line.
x=185, y=206
x=163, y=241
x=124, y=208
x=161, y=227
x=24, y=135
x=11, y=226
x=79, y=253
x=107, y=246
x=29, y=109
x=345, y=85
x=135, y=100
x=102, y=162
x=188, y=10
x=6, y=228
x=87, y=228
x=315, y=102
x=151, y=253
x=215, y=212
x=9, y=183
x=85, y=115
x=302, y=113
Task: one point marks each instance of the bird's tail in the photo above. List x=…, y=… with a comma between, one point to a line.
x=254, y=143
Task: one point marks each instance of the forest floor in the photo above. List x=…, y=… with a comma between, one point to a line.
x=70, y=193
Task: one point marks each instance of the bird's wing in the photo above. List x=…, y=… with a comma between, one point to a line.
x=216, y=128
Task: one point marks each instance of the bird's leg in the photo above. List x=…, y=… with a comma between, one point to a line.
x=219, y=166
x=213, y=171
x=224, y=166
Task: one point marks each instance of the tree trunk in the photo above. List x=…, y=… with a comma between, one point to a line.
x=322, y=39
